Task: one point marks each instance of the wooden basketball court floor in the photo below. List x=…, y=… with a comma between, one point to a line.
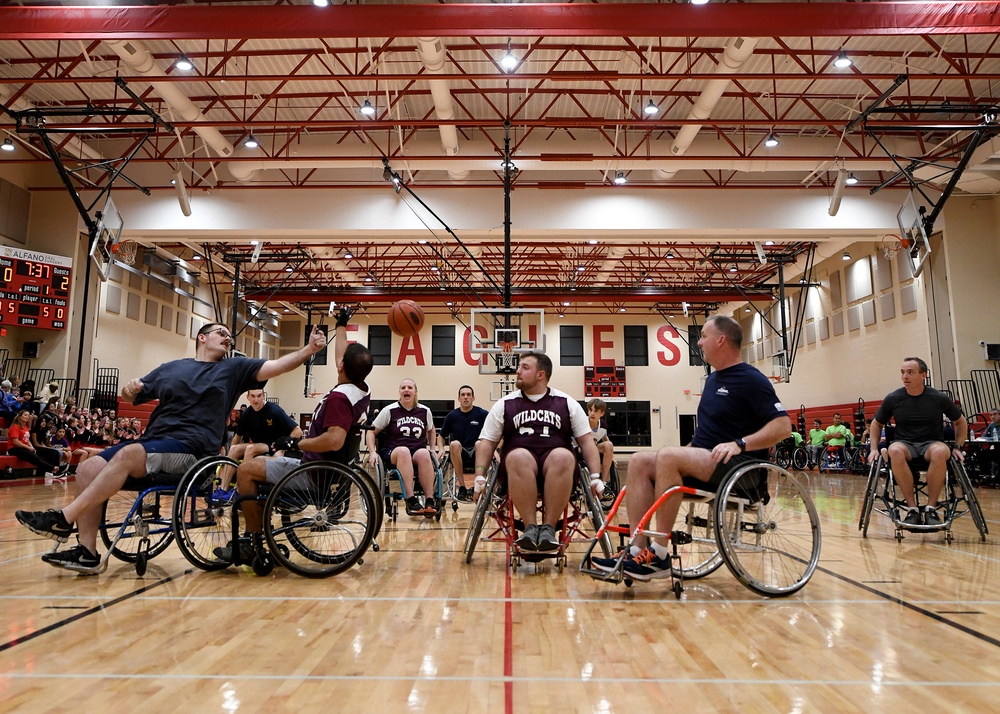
x=881, y=627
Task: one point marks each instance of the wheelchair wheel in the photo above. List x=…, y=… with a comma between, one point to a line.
x=479, y=515
x=800, y=459
x=871, y=489
x=595, y=511
x=701, y=556
x=767, y=529
x=320, y=519
x=783, y=456
x=612, y=487
x=969, y=493
x=203, y=513
x=155, y=514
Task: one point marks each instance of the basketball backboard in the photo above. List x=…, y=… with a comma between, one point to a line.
x=109, y=231
x=504, y=334
x=913, y=234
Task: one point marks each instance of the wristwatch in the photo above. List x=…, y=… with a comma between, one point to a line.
x=742, y=444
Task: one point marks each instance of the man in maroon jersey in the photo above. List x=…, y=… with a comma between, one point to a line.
x=537, y=425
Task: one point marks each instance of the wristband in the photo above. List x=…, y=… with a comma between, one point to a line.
x=480, y=469
x=594, y=477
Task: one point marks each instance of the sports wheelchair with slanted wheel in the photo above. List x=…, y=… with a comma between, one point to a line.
x=386, y=477
x=495, y=503
x=762, y=524
x=318, y=520
x=959, y=498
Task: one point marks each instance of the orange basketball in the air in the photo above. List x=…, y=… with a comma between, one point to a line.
x=406, y=318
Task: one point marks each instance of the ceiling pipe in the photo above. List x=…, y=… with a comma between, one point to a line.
x=134, y=54
x=737, y=51
x=433, y=55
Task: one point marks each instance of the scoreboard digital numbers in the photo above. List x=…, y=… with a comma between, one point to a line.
x=34, y=288
x=607, y=383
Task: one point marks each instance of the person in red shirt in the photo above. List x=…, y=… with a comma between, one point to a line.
x=19, y=445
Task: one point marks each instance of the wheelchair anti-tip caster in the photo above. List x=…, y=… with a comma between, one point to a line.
x=262, y=564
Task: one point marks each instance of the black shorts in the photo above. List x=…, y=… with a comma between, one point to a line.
x=719, y=475
x=386, y=455
x=468, y=460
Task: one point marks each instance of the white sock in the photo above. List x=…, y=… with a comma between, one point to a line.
x=662, y=551
x=634, y=550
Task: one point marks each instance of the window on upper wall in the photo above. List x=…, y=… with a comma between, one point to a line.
x=380, y=344
x=636, y=347
x=571, y=345
x=628, y=423
x=694, y=352
x=442, y=344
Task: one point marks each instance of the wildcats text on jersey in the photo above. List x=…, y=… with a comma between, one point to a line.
x=538, y=415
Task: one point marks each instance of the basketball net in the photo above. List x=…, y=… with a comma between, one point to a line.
x=892, y=244
x=507, y=359
x=124, y=251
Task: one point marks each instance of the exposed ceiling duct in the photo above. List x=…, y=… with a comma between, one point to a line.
x=738, y=50
x=433, y=56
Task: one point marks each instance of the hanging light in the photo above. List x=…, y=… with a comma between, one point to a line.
x=348, y=255
x=771, y=141
x=251, y=142
x=651, y=109
x=843, y=61
x=508, y=62
x=851, y=179
x=184, y=64
x=620, y=179
x=367, y=109
x=846, y=256
x=746, y=309
x=321, y=3
x=733, y=269
x=7, y=145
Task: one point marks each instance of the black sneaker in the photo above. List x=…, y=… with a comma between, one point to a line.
x=528, y=539
x=77, y=558
x=913, y=518
x=464, y=495
x=413, y=507
x=50, y=524
x=246, y=552
x=432, y=506
x=931, y=517
x=647, y=566
x=546, y=540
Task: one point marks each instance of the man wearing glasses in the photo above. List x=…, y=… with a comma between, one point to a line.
x=196, y=396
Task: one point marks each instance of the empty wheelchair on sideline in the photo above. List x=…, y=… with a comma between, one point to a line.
x=495, y=506
x=957, y=498
x=761, y=523
x=318, y=520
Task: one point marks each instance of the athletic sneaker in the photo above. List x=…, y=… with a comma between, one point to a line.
x=913, y=518
x=413, y=507
x=546, y=540
x=931, y=517
x=77, y=558
x=50, y=524
x=528, y=539
x=647, y=565
x=464, y=495
x=432, y=506
x=246, y=551
x=608, y=564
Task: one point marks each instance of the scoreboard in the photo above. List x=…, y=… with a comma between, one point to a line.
x=604, y=382
x=34, y=288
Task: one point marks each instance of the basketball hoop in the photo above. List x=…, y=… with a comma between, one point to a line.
x=124, y=251
x=507, y=360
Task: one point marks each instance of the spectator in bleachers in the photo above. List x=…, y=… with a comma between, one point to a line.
x=49, y=391
x=9, y=404
x=19, y=445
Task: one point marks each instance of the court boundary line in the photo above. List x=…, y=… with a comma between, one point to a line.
x=89, y=611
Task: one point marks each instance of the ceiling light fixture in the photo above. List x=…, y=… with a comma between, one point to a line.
x=348, y=255
x=771, y=141
x=251, y=142
x=746, y=309
x=367, y=109
x=699, y=2
x=733, y=269
x=845, y=256
x=651, y=109
x=7, y=145
x=184, y=64
x=843, y=61
x=851, y=179
x=620, y=179
x=321, y=3
x=508, y=62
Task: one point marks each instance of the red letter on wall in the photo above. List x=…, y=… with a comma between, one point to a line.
x=662, y=336
x=471, y=359
x=411, y=346
x=350, y=337
x=601, y=344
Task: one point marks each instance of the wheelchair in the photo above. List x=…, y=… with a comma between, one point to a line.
x=834, y=458
x=495, y=503
x=787, y=454
x=761, y=523
x=318, y=520
x=450, y=480
x=959, y=498
x=385, y=478
x=136, y=522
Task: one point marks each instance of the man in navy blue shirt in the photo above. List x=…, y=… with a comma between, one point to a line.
x=459, y=434
x=739, y=419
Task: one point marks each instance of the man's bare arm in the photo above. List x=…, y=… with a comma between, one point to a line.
x=274, y=367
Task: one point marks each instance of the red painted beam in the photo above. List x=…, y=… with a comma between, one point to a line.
x=520, y=296
x=830, y=19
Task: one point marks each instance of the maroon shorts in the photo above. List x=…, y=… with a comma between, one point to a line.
x=540, y=457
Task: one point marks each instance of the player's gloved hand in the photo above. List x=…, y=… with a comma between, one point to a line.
x=596, y=484
x=343, y=316
x=285, y=443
